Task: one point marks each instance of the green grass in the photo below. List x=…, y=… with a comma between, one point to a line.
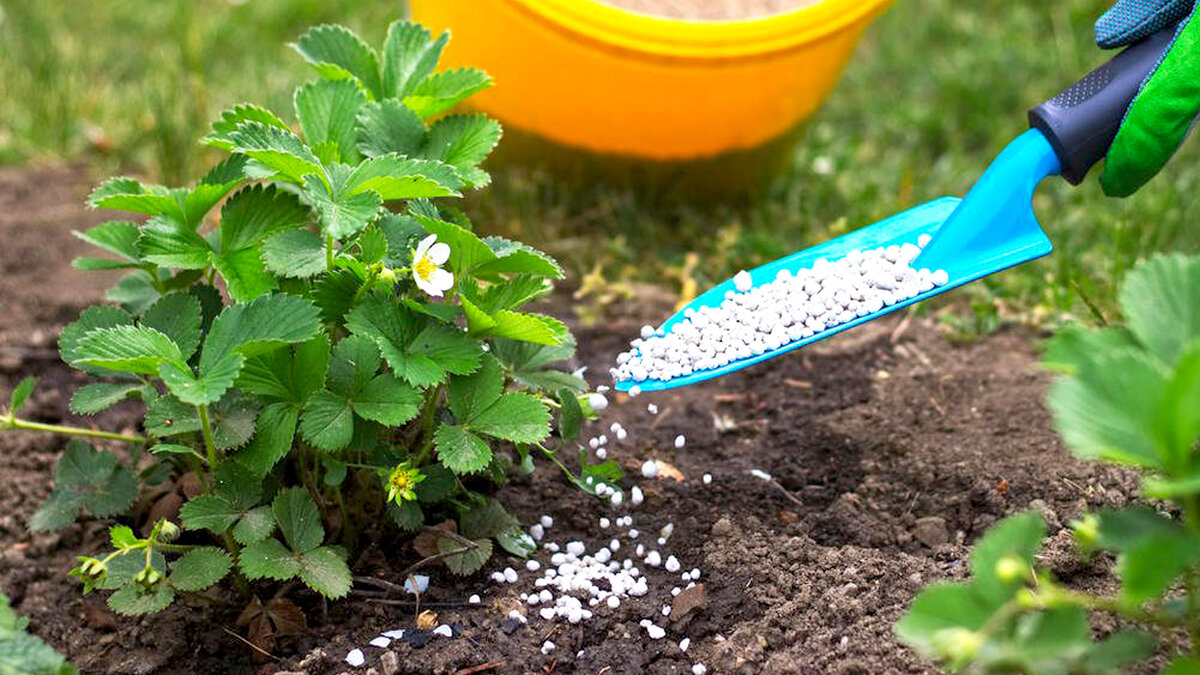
x=936, y=89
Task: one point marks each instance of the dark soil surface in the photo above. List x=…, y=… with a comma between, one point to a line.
x=891, y=449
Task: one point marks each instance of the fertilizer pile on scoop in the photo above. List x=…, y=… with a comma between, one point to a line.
x=756, y=319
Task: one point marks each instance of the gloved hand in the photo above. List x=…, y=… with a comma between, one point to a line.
x=1162, y=113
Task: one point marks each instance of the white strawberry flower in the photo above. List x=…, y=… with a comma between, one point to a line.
x=427, y=270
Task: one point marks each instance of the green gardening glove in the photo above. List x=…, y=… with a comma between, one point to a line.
x=1162, y=113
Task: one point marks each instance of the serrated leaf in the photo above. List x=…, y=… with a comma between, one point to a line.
x=200, y=568
x=174, y=449
x=389, y=126
x=470, y=395
x=118, y=237
x=341, y=215
x=168, y=416
x=460, y=450
x=268, y=559
x=136, y=600
x=233, y=418
x=486, y=521
x=170, y=243
x=298, y=519
x=465, y=560
x=570, y=416
x=206, y=388
x=409, y=56
x=133, y=349
x=325, y=571
x=467, y=250
x=278, y=149
x=259, y=326
x=528, y=364
x=327, y=421
x=87, y=478
x=294, y=254
x=444, y=90
x=93, y=398
x=1106, y=411
x=387, y=401
x=536, y=328
x=254, y=526
x=59, y=510
x=940, y=610
x=178, y=316
x=92, y=318
x=328, y=112
x=129, y=194
x=513, y=293
x=334, y=294
x=288, y=374
x=406, y=516
x=520, y=418
x=462, y=140
x=223, y=128
x=396, y=177
x=1161, y=301
x=420, y=356
x=478, y=321
x=337, y=53
x=275, y=432
x=212, y=512
x=20, y=394
x=134, y=292
x=513, y=257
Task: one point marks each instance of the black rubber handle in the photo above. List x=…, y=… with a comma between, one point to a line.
x=1082, y=121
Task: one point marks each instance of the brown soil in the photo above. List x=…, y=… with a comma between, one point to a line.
x=711, y=10
x=892, y=450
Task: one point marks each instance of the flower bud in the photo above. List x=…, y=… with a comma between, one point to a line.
x=148, y=577
x=1011, y=569
x=958, y=645
x=167, y=531
x=387, y=275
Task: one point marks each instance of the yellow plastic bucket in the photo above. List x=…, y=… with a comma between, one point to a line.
x=592, y=76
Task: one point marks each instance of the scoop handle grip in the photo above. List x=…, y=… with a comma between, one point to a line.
x=1082, y=121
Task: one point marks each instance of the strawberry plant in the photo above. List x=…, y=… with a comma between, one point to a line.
x=320, y=343
x=21, y=652
x=1127, y=395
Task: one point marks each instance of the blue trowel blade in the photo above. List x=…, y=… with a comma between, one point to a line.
x=991, y=229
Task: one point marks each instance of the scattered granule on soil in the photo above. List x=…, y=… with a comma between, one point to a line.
x=711, y=10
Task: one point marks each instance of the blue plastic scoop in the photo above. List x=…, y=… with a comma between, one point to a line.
x=993, y=227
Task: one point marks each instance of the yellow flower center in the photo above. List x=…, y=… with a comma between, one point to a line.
x=424, y=268
x=402, y=481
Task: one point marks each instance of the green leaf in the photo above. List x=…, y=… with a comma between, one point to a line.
x=93, y=398
x=419, y=351
x=462, y=140
x=98, y=316
x=129, y=194
x=570, y=416
x=1161, y=300
x=478, y=321
x=233, y=420
x=387, y=401
x=135, y=600
x=213, y=512
x=174, y=449
x=516, y=258
x=470, y=395
x=169, y=243
x=1183, y=665
x=118, y=237
x=407, y=516
x=528, y=364
x=1016, y=536
x=259, y=326
x=939, y=611
x=442, y=91
x=1154, y=550
x=536, y=328
x=327, y=421
x=1106, y=411
x=20, y=394
x=460, y=450
x=464, y=560
x=517, y=542
x=168, y=416
x=87, y=478
x=288, y=374
x=1051, y=641
x=487, y=520
x=325, y=571
x=409, y=56
x=1177, y=425
x=334, y=294
x=389, y=126
x=275, y=431
x=513, y=293
x=298, y=519
x=254, y=526
x=205, y=389
x=520, y=418
x=134, y=292
x=257, y=212
x=295, y=254
x=341, y=215
x=176, y=315
x=372, y=246
x=466, y=249
x=1075, y=348
x=393, y=176
x=1118, y=650
x=336, y=53
x=278, y=149
x=200, y=568
x=268, y=559
x=440, y=483
x=223, y=128
x=328, y=112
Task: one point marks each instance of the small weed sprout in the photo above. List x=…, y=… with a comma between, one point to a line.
x=1130, y=396
x=320, y=343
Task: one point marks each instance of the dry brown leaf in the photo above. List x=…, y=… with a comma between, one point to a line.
x=427, y=619
x=426, y=542
x=667, y=470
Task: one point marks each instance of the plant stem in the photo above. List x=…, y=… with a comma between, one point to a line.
x=13, y=422
x=206, y=430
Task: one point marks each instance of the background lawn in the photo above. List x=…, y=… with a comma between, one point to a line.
x=935, y=91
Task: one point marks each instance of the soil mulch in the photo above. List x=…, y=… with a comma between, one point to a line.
x=891, y=451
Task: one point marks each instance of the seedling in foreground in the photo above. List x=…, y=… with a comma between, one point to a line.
x=1130, y=396
x=319, y=345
